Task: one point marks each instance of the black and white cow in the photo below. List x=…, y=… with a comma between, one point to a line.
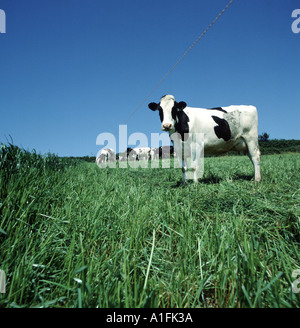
x=105, y=156
x=142, y=153
x=223, y=129
x=154, y=154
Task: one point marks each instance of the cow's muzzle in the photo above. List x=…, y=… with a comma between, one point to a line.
x=167, y=127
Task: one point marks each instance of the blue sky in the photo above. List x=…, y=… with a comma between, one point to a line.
x=72, y=69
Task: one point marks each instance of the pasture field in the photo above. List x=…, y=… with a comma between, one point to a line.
x=74, y=235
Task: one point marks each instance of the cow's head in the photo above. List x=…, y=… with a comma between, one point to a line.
x=168, y=109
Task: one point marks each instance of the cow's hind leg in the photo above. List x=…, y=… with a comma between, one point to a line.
x=184, y=169
x=254, y=155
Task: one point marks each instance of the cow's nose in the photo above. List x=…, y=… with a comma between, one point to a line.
x=167, y=126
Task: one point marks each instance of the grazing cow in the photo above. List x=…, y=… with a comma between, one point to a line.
x=129, y=154
x=153, y=154
x=166, y=151
x=142, y=153
x=106, y=155
x=224, y=129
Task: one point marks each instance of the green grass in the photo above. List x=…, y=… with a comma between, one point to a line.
x=74, y=235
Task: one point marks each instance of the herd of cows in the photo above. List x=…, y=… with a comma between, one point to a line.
x=221, y=129
x=135, y=154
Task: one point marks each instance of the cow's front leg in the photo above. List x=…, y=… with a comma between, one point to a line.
x=184, y=168
x=196, y=152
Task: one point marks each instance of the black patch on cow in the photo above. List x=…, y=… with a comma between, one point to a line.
x=174, y=112
x=182, y=126
x=218, y=108
x=177, y=108
x=161, y=114
x=222, y=130
x=154, y=106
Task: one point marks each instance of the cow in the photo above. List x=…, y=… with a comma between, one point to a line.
x=142, y=153
x=165, y=152
x=129, y=155
x=106, y=155
x=223, y=129
x=154, y=154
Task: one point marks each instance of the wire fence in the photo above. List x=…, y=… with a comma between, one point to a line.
x=180, y=59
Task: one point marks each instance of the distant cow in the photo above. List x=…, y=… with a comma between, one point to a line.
x=142, y=153
x=224, y=129
x=165, y=152
x=129, y=155
x=154, y=154
x=106, y=155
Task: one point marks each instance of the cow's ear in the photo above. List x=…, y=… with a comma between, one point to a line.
x=181, y=105
x=153, y=106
